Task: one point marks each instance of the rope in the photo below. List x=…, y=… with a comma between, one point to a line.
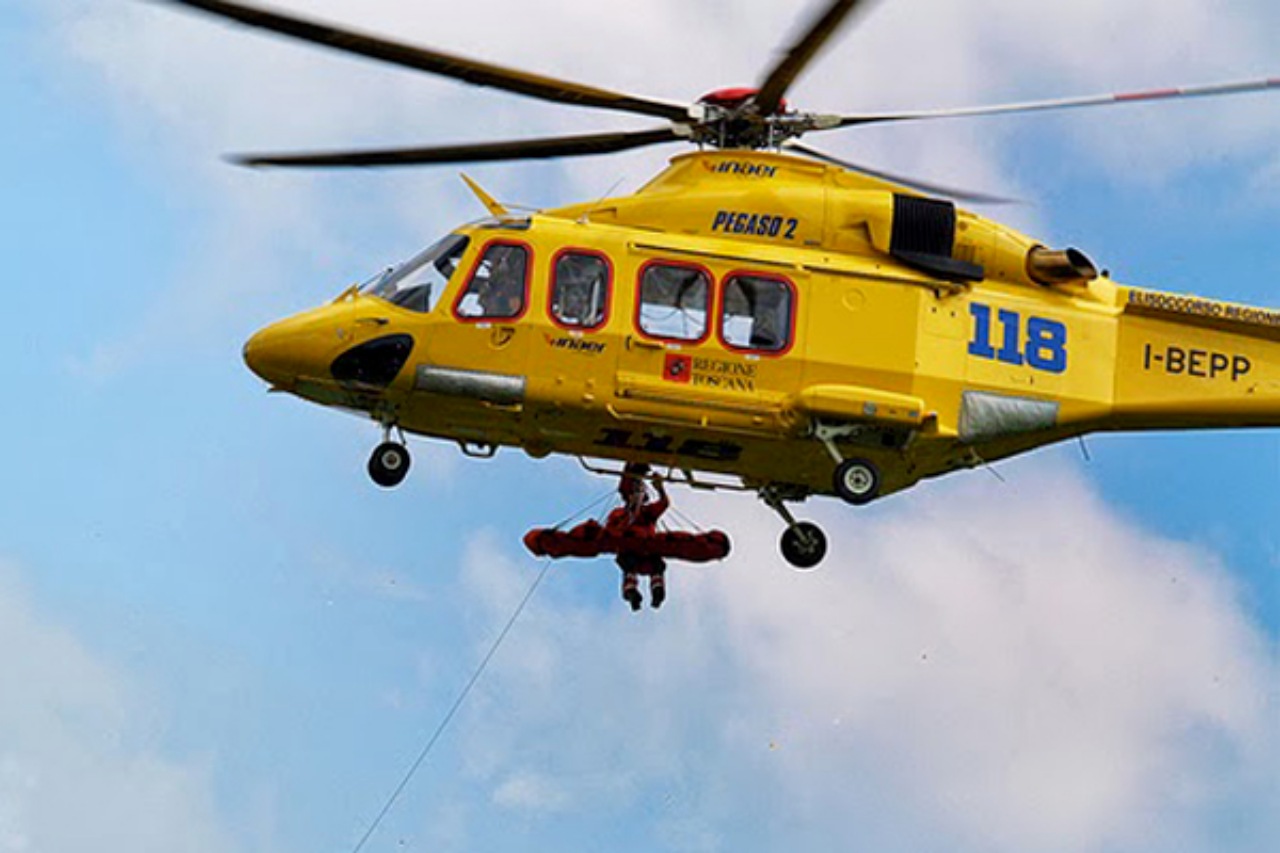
x=686, y=519
x=586, y=509
x=457, y=704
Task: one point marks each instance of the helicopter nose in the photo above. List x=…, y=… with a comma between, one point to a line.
x=269, y=354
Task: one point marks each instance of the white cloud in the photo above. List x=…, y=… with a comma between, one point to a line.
x=530, y=791
x=78, y=766
x=1038, y=674
x=987, y=668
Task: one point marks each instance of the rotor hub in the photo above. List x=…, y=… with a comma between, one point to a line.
x=730, y=118
x=736, y=99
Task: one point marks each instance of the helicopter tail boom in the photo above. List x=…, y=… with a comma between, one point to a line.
x=1185, y=362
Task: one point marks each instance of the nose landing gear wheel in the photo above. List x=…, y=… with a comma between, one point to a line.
x=389, y=464
x=857, y=481
x=804, y=545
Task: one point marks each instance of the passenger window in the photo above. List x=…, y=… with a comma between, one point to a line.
x=756, y=314
x=580, y=290
x=673, y=301
x=499, y=286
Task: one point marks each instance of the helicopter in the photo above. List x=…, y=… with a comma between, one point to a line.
x=760, y=316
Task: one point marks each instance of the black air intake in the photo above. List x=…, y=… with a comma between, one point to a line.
x=924, y=237
x=375, y=363
x=923, y=226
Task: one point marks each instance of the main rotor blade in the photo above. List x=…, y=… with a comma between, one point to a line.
x=1211, y=90
x=909, y=183
x=435, y=62
x=483, y=152
x=784, y=73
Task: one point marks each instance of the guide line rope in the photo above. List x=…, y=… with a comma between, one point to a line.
x=466, y=690
x=588, y=508
x=457, y=704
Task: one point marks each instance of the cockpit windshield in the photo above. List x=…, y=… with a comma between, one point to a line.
x=417, y=284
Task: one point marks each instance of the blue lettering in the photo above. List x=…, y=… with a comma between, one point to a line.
x=753, y=224
x=981, y=343
x=1045, y=346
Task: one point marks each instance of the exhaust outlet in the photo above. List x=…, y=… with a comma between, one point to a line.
x=1046, y=266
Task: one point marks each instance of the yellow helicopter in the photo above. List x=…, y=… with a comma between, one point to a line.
x=760, y=316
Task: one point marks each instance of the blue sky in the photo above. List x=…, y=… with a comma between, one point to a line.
x=216, y=634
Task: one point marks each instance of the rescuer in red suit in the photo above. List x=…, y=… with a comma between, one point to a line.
x=635, y=521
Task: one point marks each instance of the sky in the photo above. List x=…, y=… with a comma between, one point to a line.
x=217, y=634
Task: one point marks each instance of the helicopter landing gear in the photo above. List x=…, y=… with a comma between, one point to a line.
x=857, y=481
x=389, y=464
x=803, y=543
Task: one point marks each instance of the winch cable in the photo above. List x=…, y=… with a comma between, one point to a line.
x=453, y=710
x=588, y=508
x=688, y=521
x=466, y=690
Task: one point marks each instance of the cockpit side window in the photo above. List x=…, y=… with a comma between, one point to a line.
x=674, y=301
x=756, y=313
x=580, y=289
x=418, y=284
x=499, y=285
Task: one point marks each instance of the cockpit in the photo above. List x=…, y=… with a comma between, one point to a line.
x=418, y=283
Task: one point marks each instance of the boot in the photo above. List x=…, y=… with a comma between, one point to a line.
x=631, y=592
x=657, y=591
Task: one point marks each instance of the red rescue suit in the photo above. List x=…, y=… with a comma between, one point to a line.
x=631, y=533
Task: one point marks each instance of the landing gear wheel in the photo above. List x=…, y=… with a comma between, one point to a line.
x=857, y=481
x=389, y=464
x=804, y=545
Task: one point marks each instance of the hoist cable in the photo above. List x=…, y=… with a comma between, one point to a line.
x=457, y=704
x=595, y=503
x=687, y=519
x=466, y=690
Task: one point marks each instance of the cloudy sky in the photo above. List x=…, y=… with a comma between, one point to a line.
x=216, y=634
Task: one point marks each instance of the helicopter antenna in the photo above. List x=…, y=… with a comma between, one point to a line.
x=491, y=204
x=987, y=466
x=586, y=217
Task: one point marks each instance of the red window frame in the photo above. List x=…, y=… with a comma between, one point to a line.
x=553, y=279
x=710, y=301
x=721, y=294
x=471, y=275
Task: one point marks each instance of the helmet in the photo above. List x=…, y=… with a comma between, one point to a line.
x=632, y=481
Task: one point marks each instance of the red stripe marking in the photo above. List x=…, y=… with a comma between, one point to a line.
x=1147, y=96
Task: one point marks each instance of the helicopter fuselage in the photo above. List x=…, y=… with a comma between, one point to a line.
x=762, y=317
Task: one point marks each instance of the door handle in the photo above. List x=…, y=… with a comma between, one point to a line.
x=639, y=343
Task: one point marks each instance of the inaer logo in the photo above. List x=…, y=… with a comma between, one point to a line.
x=575, y=345
x=678, y=368
x=744, y=168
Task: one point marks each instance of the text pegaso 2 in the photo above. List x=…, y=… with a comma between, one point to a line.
x=754, y=224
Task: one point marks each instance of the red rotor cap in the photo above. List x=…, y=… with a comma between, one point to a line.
x=733, y=98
